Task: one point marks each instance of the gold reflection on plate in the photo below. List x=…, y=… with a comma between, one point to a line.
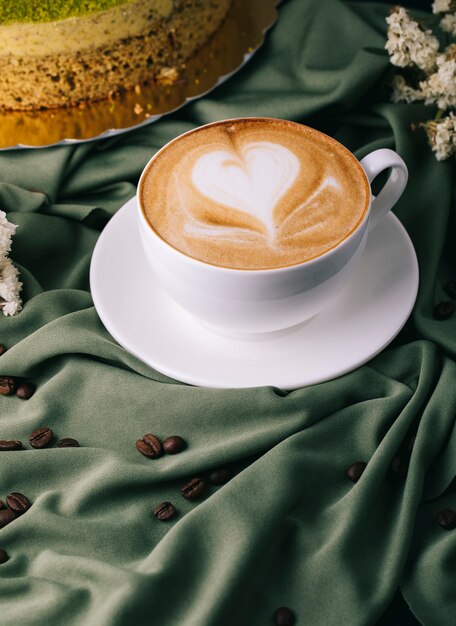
x=238, y=38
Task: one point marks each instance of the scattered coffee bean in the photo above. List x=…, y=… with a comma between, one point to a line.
x=40, y=437
x=68, y=442
x=10, y=444
x=284, y=616
x=7, y=385
x=397, y=465
x=3, y=556
x=220, y=476
x=164, y=511
x=6, y=516
x=2, y=349
x=443, y=310
x=18, y=503
x=398, y=468
x=193, y=489
x=354, y=472
x=450, y=288
x=447, y=519
x=150, y=446
x=25, y=391
x=174, y=444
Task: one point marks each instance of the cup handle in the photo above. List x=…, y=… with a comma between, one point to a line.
x=373, y=164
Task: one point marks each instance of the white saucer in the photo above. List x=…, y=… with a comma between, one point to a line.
x=146, y=322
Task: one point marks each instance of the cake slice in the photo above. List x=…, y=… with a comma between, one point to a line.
x=58, y=53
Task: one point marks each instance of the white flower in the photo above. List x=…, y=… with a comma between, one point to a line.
x=448, y=23
x=408, y=44
x=442, y=6
x=7, y=230
x=440, y=87
x=403, y=92
x=442, y=136
x=10, y=288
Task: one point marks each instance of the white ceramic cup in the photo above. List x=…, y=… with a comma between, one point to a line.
x=254, y=303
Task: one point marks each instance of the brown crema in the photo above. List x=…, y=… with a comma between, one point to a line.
x=254, y=193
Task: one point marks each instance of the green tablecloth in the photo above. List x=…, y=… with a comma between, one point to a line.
x=289, y=528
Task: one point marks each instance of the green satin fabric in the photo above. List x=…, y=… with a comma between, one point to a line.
x=289, y=528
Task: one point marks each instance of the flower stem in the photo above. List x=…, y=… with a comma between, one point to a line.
x=439, y=115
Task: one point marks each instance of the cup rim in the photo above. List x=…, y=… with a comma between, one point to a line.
x=238, y=270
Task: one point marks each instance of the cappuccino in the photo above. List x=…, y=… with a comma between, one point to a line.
x=255, y=193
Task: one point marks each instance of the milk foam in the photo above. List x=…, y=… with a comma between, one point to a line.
x=252, y=182
x=254, y=193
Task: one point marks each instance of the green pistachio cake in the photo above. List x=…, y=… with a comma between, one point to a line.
x=63, y=52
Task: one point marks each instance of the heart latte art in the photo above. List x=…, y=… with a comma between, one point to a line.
x=254, y=193
x=252, y=182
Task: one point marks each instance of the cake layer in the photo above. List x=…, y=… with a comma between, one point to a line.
x=63, y=63
x=44, y=11
x=77, y=34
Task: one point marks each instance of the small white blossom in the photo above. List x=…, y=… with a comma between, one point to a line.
x=403, y=92
x=442, y=6
x=440, y=87
x=448, y=23
x=10, y=287
x=7, y=230
x=442, y=136
x=408, y=44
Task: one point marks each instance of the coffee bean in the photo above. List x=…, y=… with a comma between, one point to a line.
x=354, y=472
x=25, y=391
x=174, y=444
x=164, y=511
x=397, y=464
x=443, y=310
x=193, y=489
x=2, y=349
x=150, y=446
x=7, y=385
x=447, y=519
x=3, y=556
x=10, y=444
x=450, y=288
x=284, y=616
x=6, y=516
x=398, y=468
x=18, y=503
x=220, y=476
x=40, y=437
x=68, y=442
